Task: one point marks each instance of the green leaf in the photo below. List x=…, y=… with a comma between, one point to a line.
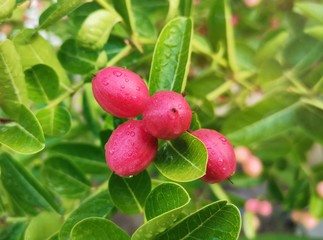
x=270, y=46
x=310, y=10
x=54, y=121
x=144, y=26
x=76, y=59
x=162, y=208
x=88, y=158
x=315, y=32
x=42, y=83
x=310, y=118
x=129, y=194
x=316, y=206
x=14, y=231
x=22, y=133
x=171, y=57
x=97, y=229
x=185, y=7
x=65, y=178
x=302, y=52
x=195, y=124
x=24, y=189
x=265, y=120
x=6, y=8
x=48, y=222
x=36, y=50
x=98, y=205
x=218, y=220
x=12, y=82
x=124, y=8
x=58, y=10
x=182, y=159
x=96, y=28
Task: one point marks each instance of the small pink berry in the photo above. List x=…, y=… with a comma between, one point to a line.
x=120, y=92
x=253, y=167
x=319, y=189
x=130, y=149
x=242, y=154
x=167, y=115
x=252, y=3
x=221, y=158
x=252, y=205
x=265, y=208
x=234, y=20
x=309, y=221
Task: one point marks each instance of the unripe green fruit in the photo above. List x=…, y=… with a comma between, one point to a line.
x=120, y=92
x=130, y=149
x=222, y=161
x=167, y=115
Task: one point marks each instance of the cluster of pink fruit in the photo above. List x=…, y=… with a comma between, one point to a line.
x=165, y=115
x=251, y=164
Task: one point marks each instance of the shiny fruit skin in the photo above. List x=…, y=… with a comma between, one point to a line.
x=120, y=92
x=130, y=149
x=167, y=115
x=221, y=158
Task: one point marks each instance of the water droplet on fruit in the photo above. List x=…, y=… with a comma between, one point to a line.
x=122, y=86
x=223, y=139
x=117, y=73
x=106, y=83
x=128, y=133
x=111, y=151
x=126, y=80
x=179, y=106
x=132, y=134
x=137, y=88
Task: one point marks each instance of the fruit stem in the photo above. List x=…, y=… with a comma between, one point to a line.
x=219, y=192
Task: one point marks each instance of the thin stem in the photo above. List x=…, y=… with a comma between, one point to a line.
x=124, y=52
x=301, y=88
x=318, y=85
x=106, y=6
x=62, y=97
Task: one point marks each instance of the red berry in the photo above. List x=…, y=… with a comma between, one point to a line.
x=222, y=161
x=120, y=92
x=167, y=115
x=130, y=149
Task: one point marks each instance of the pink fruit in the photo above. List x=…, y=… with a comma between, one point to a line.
x=265, y=208
x=222, y=161
x=252, y=205
x=319, y=189
x=130, y=149
x=252, y=3
x=242, y=154
x=167, y=115
x=120, y=92
x=252, y=167
x=309, y=221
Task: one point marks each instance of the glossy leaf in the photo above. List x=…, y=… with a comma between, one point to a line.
x=124, y=8
x=42, y=83
x=316, y=206
x=162, y=208
x=58, y=10
x=76, y=59
x=195, y=124
x=219, y=220
x=310, y=10
x=54, y=121
x=65, y=178
x=98, y=228
x=88, y=158
x=129, y=194
x=36, y=50
x=24, y=189
x=12, y=82
x=14, y=231
x=144, y=26
x=22, y=133
x=7, y=7
x=265, y=120
x=185, y=7
x=96, y=29
x=182, y=159
x=171, y=57
x=98, y=205
x=48, y=222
